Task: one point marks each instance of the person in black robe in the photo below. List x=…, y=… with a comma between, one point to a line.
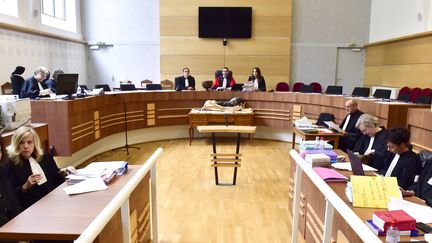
x=401, y=162
x=372, y=144
x=348, y=124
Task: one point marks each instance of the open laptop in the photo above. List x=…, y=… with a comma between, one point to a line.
x=237, y=87
x=356, y=164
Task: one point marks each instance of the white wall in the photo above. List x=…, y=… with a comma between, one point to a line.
x=32, y=51
x=319, y=27
x=396, y=18
x=132, y=26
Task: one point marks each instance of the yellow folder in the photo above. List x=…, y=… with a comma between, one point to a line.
x=374, y=191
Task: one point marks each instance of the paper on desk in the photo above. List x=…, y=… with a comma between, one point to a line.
x=347, y=166
x=334, y=126
x=89, y=185
x=109, y=165
x=420, y=212
x=304, y=123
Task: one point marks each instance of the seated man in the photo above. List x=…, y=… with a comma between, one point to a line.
x=33, y=86
x=351, y=134
x=401, y=162
x=224, y=81
x=185, y=82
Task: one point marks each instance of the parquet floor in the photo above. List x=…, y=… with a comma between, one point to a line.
x=191, y=208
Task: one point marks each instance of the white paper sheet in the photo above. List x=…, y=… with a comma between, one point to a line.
x=347, y=166
x=89, y=185
x=420, y=212
x=334, y=126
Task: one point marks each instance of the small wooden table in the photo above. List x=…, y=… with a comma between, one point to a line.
x=311, y=136
x=204, y=118
x=227, y=160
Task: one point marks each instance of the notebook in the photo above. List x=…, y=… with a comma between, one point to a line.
x=329, y=175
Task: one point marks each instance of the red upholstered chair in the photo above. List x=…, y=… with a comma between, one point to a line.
x=424, y=97
x=282, y=86
x=404, y=93
x=414, y=93
x=426, y=92
x=316, y=87
x=297, y=86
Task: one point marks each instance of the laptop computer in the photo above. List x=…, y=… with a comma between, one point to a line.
x=127, y=87
x=237, y=87
x=154, y=87
x=356, y=164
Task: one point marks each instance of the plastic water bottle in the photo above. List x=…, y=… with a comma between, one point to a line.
x=321, y=143
x=317, y=141
x=393, y=235
x=78, y=90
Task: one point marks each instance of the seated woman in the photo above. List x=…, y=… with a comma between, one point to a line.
x=402, y=162
x=257, y=79
x=33, y=174
x=372, y=144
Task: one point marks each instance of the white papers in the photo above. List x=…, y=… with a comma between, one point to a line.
x=89, y=185
x=347, y=166
x=304, y=123
x=430, y=181
x=334, y=126
x=420, y=212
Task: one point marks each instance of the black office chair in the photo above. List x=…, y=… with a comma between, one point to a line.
x=361, y=91
x=324, y=117
x=382, y=94
x=332, y=89
x=154, y=87
x=127, y=87
x=104, y=86
x=306, y=89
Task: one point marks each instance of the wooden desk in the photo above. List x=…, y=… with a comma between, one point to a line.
x=58, y=216
x=420, y=127
x=227, y=160
x=40, y=128
x=312, y=136
x=75, y=124
x=199, y=118
x=312, y=208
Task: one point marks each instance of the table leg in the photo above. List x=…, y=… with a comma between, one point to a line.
x=293, y=139
x=336, y=143
x=215, y=157
x=190, y=135
x=237, y=151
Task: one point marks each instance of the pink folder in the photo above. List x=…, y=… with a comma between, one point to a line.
x=329, y=175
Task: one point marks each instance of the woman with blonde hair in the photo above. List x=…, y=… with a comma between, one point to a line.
x=33, y=174
x=372, y=144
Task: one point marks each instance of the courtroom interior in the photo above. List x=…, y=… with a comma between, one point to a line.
x=218, y=121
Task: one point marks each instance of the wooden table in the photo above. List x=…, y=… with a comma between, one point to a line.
x=312, y=136
x=204, y=118
x=58, y=216
x=227, y=160
x=312, y=208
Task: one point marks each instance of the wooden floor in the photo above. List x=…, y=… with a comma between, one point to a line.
x=191, y=208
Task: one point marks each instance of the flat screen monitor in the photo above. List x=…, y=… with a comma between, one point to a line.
x=225, y=22
x=67, y=84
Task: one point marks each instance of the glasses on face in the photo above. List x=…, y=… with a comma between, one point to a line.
x=186, y=71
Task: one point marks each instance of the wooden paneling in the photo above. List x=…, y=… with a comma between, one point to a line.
x=401, y=62
x=412, y=75
x=269, y=48
x=421, y=128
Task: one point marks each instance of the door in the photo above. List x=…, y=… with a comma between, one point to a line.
x=349, y=68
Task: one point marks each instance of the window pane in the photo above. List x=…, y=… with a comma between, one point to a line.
x=9, y=7
x=48, y=7
x=59, y=7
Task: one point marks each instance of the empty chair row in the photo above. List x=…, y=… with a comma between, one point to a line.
x=416, y=95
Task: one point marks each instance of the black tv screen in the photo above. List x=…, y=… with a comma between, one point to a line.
x=225, y=22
